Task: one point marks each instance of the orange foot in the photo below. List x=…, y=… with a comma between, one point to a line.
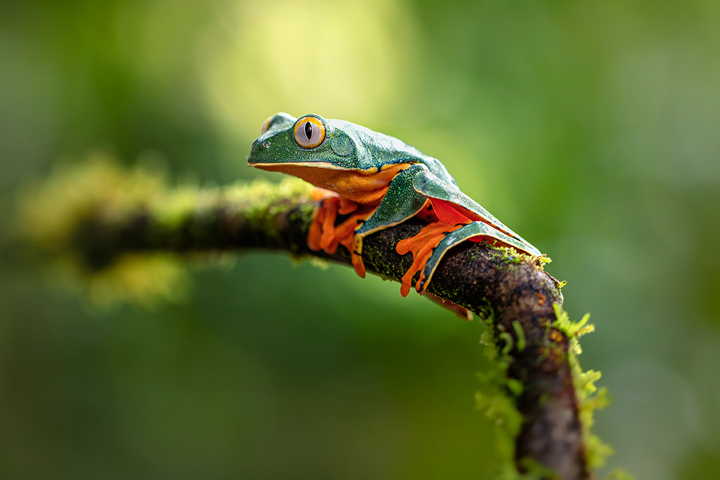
x=326, y=236
x=422, y=247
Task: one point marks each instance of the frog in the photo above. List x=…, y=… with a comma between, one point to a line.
x=366, y=182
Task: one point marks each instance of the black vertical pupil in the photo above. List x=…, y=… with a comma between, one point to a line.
x=308, y=130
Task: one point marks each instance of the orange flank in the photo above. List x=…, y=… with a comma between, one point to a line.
x=469, y=215
x=446, y=213
x=353, y=185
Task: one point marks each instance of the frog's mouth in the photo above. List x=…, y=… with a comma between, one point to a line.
x=284, y=166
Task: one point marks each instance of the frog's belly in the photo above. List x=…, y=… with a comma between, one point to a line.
x=359, y=187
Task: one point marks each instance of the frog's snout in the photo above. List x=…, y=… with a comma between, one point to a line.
x=257, y=151
x=259, y=146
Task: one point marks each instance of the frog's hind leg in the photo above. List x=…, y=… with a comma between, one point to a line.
x=444, y=194
x=474, y=231
x=424, y=245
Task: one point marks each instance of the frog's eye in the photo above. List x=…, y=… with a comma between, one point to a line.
x=266, y=125
x=309, y=132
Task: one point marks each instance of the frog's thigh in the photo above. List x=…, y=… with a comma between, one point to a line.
x=471, y=230
x=400, y=202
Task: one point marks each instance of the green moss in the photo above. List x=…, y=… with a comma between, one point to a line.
x=508, y=255
x=590, y=398
x=261, y=201
x=447, y=292
x=50, y=212
x=144, y=280
x=497, y=396
x=520, y=335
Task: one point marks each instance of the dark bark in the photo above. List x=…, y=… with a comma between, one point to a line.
x=476, y=276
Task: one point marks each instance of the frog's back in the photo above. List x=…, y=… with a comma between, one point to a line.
x=386, y=150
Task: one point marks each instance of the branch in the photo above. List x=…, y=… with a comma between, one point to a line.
x=511, y=291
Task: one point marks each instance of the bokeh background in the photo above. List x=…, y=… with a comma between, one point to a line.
x=593, y=128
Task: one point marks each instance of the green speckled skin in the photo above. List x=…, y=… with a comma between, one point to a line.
x=347, y=146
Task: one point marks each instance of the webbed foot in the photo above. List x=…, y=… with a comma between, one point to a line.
x=422, y=247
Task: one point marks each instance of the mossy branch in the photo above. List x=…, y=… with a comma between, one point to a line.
x=102, y=215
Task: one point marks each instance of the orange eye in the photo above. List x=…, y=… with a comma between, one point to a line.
x=266, y=125
x=309, y=132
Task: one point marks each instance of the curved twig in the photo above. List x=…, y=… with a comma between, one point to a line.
x=477, y=276
x=99, y=213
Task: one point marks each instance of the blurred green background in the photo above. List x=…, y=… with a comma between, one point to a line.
x=592, y=128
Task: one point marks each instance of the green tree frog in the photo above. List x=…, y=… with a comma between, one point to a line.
x=373, y=181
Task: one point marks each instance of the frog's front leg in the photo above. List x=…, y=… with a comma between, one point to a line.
x=401, y=201
x=323, y=234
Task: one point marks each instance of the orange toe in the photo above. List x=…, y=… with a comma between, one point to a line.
x=356, y=259
x=323, y=215
x=330, y=206
x=315, y=231
x=422, y=247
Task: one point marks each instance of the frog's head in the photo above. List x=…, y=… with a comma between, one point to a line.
x=312, y=141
